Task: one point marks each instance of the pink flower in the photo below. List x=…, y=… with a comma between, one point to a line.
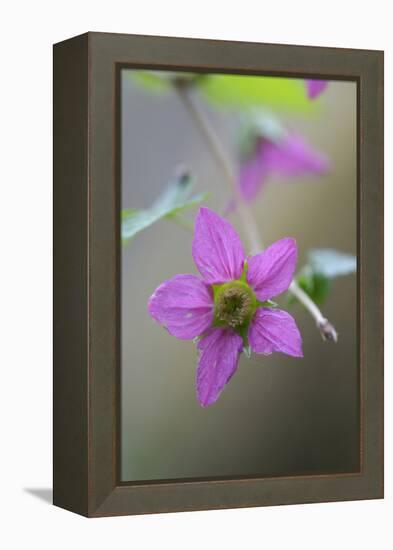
x=290, y=157
x=315, y=87
x=228, y=308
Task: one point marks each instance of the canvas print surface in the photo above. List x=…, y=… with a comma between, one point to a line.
x=239, y=323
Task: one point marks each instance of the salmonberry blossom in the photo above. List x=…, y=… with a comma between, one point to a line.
x=315, y=87
x=228, y=310
x=289, y=157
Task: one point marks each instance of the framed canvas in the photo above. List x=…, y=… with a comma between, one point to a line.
x=218, y=274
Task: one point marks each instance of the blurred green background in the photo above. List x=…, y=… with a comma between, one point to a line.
x=278, y=415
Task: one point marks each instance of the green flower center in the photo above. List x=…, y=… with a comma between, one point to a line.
x=234, y=304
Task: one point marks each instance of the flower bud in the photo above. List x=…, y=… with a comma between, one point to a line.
x=327, y=330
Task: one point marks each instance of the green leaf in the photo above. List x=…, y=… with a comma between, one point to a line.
x=243, y=91
x=316, y=285
x=162, y=81
x=127, y=212
x=324, y=265
x=173, y=201
x=332, y=263
x=153, y=81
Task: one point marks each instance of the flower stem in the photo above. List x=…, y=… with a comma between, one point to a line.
x=327, y=330
x=206, y=130
x=185, y=93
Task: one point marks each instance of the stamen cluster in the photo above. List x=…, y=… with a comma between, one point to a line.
x=233, y=306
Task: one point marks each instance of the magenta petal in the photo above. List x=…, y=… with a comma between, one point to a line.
x=293, y=157
x=218, y=360
x=217, y=249
x=184, y=305
x=274, y=330
x=289, y=157
x=271, y=271
x=252, y=176
x=315, y=87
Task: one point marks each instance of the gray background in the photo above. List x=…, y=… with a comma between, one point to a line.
x=278, y=415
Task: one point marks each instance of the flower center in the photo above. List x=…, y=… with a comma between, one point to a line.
x=235, y=304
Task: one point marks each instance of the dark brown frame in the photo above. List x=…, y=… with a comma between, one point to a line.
x=86, y=272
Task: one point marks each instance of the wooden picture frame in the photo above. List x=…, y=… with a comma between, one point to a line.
x=86, y=272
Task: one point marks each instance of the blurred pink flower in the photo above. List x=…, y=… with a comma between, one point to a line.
x=315, y=87
x=290, y=157
x=228, y=308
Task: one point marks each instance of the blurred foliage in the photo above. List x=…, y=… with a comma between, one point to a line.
x=256, y=124
x=236, y=91
x=152, y=81
x=170, y=205
x=265, y=124
x=161, y=81
x=244, y=91
x=332, y=263
x=323, y=265
x=316, y=285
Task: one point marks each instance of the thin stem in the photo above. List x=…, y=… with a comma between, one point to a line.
x=305, y=299
x=327, y=330
x=223, y=162
x=185, y=93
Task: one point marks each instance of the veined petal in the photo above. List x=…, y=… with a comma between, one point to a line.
x=274, y=330
x=217, y=249
x=293, y=157
x=271, y=271
x=183, y=305
x=315, y=87
x=218, y=360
